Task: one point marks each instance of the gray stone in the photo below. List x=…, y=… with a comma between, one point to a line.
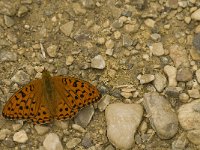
x=67, y=28
x=84, y=116
x=180, y=143
x=179, y=56
x=52, y=50
x=22, y=11
x=184, y=74
x=103, y=103
x=7, y=56
x=9, y=22
x=7, y=8
x=21, y=77
x=189, y=115
x=196, y=42
x=160, y=82
x=98, y=62
x=52, y=142
x=20, y=137
x=173, y=91
x=122, y=121
x=87, y=141
x=194, y=136
x=127, y=41
x=163, y=118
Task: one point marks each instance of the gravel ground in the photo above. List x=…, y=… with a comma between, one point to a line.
x=142, y=55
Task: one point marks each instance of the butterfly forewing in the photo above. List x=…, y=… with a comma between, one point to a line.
x=24, y=103
x=74, y=95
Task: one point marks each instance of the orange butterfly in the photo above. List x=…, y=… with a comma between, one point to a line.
x=49, y=98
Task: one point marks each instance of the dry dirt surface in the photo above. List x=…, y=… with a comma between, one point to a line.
x=142, y=55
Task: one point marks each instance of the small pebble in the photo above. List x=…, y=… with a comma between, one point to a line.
x=157, y=49
x=41, y=130
x=98, y=62
x=52, y=50
x=67, y=28
x=52, y=142
x=196, y=15
x=146, y=78
x=69, y=60
x=194, y=93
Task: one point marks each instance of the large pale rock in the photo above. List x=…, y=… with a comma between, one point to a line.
x=163, y=118
x=122, y=122
x=52, y=142
x=189, y=115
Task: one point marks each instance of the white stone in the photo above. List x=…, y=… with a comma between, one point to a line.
x=69, y=60
x=122, y=122
x=196, y=15
x=146, y=78
x=149, y=23
x=189, y=115
x=41, y=130
x=170, y=71
x=160, y=82
x=198, y=75
x=157, y=49
x=52, y=142
x=20, y=137
x=4, y=133
x=98, y=62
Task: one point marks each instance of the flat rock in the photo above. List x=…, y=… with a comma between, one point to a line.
x=146, y=78
x=41, y=130
x=4, y=133
x=160, y=82
x=7, y=56
x=84, y=116
x=184, y=74
x=104, y=102
x=196, y=15
x=179, y=56
x=122, y=121
x=194, y=136
x=163, y=118
x=157, y=49
x=180, y=143
x=98, y=62
x=189, y=115
x=73, y=143
x=67, y=28
x=20, y=137
x=7, y=8
x=52, y=142
x=21, y=77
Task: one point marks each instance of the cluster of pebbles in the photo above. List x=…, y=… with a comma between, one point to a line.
x=142, y=55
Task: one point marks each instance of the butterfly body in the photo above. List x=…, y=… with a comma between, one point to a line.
x=49, y=98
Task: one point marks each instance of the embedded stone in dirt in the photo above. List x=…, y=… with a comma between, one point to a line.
x=122, y=122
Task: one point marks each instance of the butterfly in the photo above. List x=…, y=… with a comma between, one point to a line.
x=49, y=98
